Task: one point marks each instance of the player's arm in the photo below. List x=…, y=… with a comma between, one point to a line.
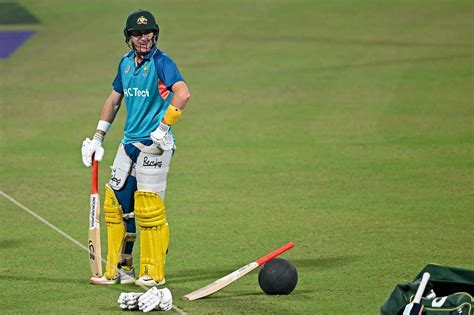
x=94, y=147
x=178, y=102
x=181, y=95
x=175, y=109
x=109, y=110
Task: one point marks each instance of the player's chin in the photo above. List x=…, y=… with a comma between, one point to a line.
x=143, y=48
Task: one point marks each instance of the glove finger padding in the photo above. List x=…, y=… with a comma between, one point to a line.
x=162, y=138
x=95, y=146
x=156, y=299
x=129, y=300
x=166, y=300
x=84, y=151
x=99, y=154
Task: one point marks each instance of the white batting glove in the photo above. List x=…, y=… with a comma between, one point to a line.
x=159, y=299
x=92, y=147
x=161, y=138
x=128, y=300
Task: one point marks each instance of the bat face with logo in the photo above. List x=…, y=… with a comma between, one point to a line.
x=95, y=256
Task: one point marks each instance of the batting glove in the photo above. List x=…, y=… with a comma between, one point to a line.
x=129, y=300
x=161, y=138
x=92, y=147
x=159, y=299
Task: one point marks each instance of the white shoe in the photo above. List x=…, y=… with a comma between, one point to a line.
x=148, y=281
x=127, y=276
x=103, y=280
x=123, y=277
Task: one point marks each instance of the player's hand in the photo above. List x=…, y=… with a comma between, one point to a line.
x=90, y=148
x=161, y=138
x=128, y=300
x=159, y=299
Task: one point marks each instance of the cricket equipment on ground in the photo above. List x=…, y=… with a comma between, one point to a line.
x=92, y=148
x=140, y=20
x=415, y=307
x=453, y=289
x=95, y=255
x=234, y=276
x=129, y=300
x=172, y=115
x=161, y=138
x=159, y=299
x=278, y=276
x=150, y=215
x=115, y=231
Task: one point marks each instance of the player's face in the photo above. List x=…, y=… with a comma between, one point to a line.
x=142, y=40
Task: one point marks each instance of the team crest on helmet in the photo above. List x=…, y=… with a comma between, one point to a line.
x=142, y=20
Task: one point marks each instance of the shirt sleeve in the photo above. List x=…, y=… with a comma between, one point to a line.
x=117, y=84
x=168, y=72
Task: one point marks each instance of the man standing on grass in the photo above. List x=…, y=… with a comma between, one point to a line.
x=155, y=95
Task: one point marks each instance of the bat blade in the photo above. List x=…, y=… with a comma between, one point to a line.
x=234, y=276
x=221, y=283
x=95, y=256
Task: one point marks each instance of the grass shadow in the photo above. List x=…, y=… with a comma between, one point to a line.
x=41, y=279
x=11, y=243
x=323, y=262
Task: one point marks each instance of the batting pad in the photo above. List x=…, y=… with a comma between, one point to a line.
x=115, y=231
x=150, y=215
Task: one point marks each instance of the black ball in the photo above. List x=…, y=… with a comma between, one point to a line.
x=278, y=276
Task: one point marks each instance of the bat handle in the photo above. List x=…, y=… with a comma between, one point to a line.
x=95, y=175
x=421, y=288
x=275, y=253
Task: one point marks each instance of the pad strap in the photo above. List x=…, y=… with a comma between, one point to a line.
x=127, y=259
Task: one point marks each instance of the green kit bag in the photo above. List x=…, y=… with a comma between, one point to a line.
x=454, y=289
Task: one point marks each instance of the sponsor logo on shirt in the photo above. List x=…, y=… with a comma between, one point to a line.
x=136, y=92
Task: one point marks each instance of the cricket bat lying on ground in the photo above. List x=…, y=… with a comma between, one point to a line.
x=234, y=276
x=95, y=256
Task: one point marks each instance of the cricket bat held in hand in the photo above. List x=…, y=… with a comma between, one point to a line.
x=234, y=276
x=95, y=256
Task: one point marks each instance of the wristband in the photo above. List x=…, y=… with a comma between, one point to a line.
x=104, y=125
x=172, y=114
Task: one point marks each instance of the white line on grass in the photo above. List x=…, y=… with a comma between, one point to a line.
x=52, y=226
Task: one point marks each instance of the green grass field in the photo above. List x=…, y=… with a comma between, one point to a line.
x=345, y=126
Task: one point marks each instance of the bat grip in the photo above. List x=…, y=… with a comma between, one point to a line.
x=95, y=175
x=421, y=288
x=275, y=253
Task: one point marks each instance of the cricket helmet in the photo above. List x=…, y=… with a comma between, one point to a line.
x=138, y=21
